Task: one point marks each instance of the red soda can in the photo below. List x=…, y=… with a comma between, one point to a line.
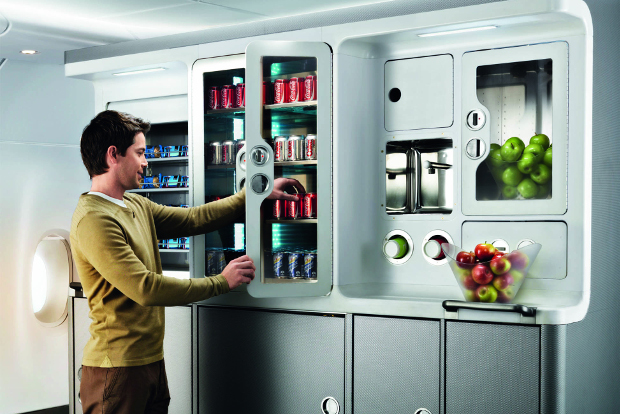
x=227, y=96
x=293, y=208
x=310, y=206
x=278, y=209
x=267, y=92
x=279, y=148
x=310, y=147
x=310, y=88
x=296, y=89
x=214, y=97
x=240, y=95
x=280, y=91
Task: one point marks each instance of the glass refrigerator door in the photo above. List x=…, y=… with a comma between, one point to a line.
x=288, y=133
x=515, y=130
x=218, y=138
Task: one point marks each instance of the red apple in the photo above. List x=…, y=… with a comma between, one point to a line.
x=500, y=264
x=465, y=259
x=501, y=282
x=518, y=259
x=485, y=251
x=517, y=276
x=469, y=283
x=506, y=295
x=482, y=274
x=487, y=293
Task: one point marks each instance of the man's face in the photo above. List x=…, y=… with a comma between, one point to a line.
x=132, y=166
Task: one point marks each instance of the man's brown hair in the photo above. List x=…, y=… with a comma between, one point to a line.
x=108, y=128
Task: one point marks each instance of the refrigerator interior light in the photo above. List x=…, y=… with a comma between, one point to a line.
x=29, y=52
x=135, y=72
x=449, y=32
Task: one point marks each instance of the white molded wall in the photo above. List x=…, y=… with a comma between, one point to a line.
x=42, y=114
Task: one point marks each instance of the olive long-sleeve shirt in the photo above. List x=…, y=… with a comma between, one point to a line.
x=117, y=258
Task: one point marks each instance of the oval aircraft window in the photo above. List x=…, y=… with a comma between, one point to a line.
x=51, y=272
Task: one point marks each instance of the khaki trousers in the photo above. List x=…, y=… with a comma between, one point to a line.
x=125, y=390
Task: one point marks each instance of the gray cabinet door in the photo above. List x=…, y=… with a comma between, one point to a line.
x=253, y=361
x=396, y=364
x=492, y=369
x=79, y=323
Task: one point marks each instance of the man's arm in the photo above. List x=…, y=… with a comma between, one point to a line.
x=102, y=242
x=173, y=222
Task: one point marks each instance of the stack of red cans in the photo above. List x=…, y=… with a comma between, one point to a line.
x=293, y=90
x=304, y=207
x=228, y=96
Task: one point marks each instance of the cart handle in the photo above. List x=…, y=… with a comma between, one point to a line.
x=455, y=305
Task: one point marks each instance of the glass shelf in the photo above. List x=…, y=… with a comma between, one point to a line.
x=303, y=107
x=292, y=221
x=159, y=190
x=174, y=250
x=170, y=160
x=226, y=113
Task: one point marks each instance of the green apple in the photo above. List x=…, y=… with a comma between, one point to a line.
x=541, y=174
x=509, y=192
x=512, y=149
x=527, y=163
x=537, y=150
x=495, y=158
x=512, y=176
x=527, y=188
x=548, y=157
x=543, y=190
x=495, y=146
x=540, y=139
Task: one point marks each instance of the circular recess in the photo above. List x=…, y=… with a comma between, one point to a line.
x=259, y=183
x=422, y=411
x=476, y=119
x=501, y=245
x=393, y=242
x=259, y=156
x=51, y=272
x=329, y=405
x=431, y=243
x=524, y=242
x=475, y=148
x=242, y=161
x=394, y=94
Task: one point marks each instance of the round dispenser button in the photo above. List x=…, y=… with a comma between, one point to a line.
x=432, y=249
x=396, y=248
x=259, y=156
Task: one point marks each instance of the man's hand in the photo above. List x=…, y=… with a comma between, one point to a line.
x=280, y=184
x=238, y=271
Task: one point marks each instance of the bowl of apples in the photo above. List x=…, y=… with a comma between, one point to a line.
x=488, y=275
x=520, y=171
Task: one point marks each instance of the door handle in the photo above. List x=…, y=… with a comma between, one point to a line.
x=455, y=305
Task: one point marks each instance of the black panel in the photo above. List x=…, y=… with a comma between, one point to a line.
x=492, y=369
x=252, y=361
x=395, y=365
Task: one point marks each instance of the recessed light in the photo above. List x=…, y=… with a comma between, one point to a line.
x=135, y=72
x=29, y=52
x=449, y=32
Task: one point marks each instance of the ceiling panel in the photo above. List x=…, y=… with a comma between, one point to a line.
x=281, y=8
x=181, y=19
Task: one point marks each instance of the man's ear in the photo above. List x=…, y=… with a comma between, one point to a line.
x=112, y=155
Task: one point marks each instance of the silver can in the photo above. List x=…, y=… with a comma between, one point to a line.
x=228, y=152
x=310, y=147
x=220, y=262
x=295, y=148
x=240, y=144
x=211, y=263
x=279, y=149
x=215, y=153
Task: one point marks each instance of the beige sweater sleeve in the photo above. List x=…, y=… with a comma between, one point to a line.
x=173, y=222
x=103, y=244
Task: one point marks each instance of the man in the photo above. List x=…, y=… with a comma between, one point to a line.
x=114, y=243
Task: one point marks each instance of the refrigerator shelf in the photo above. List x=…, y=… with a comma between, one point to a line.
x=287, y=280
x=303, y=107
x=292, y=221
x=284, y=164
x=170, y=160
x=174, y=250
x=226, y=113
x=159, y=190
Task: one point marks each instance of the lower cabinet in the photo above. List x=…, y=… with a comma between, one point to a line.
x=492, y=368
x=269, y=362
x=396, y=365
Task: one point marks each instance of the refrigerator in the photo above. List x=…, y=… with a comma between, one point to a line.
x=355, y=306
